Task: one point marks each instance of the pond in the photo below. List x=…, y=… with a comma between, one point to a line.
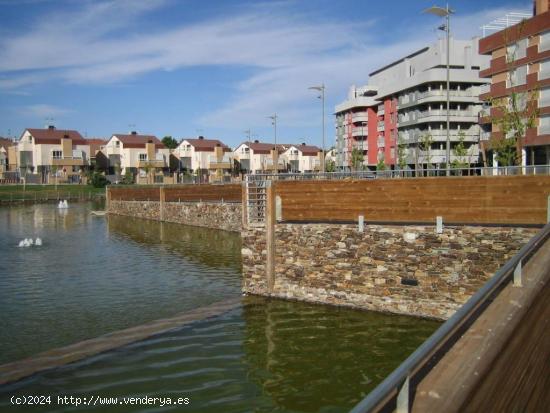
x=95, y=275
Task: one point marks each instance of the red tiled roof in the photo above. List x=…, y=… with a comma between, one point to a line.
x=308, y=150
x=54, y=136
x=207, y=145
x=261, y=148
x=138, y=141
x=4, y=143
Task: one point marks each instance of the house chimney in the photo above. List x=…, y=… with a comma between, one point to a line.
x=256, y=141
x=133, y=132
x=201, y=137
x=51, y=127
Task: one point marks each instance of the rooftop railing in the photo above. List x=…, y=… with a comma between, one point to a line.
x=407, y=173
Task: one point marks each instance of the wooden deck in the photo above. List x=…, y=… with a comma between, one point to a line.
x=502, y=362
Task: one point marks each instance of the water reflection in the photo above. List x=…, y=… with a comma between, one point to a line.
x=204, y=245
x=91, y=276
x=267, y=356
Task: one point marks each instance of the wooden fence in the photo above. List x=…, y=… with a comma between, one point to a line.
x=473, y=200
x=180, y=193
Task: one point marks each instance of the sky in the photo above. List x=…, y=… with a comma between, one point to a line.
x=215, y=68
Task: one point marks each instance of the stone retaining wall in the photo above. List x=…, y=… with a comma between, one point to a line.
x=400, y=269
x=217, y=215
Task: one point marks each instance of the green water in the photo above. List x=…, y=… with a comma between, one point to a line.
x=264, y=356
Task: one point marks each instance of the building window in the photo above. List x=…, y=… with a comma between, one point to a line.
x=544, y=125
x=517, y=76
x=516, y=51
x=142, y=156
x=117, y=144
x=544, y=44
x=57, y=154
x=544, y=97
x=544, y=70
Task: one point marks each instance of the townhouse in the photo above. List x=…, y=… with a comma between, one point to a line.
x=142, y=156
x=520, y=64
x=302, y=158
x=44, y=153
x=205, y=156
x=259, y=157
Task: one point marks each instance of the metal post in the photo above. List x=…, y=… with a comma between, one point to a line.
x=361, y=227
x=403, y=398
x=323, y=157
x=448, y=93
x=517, y=275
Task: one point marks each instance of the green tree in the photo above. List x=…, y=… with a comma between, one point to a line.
x=330, y=166
x=513, y=114
x=460, y=153
x=170, y=142
x=357, y=159
x=401, y=153
x=381, y=166
x=426, y=141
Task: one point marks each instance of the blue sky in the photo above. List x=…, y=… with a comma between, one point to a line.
x=212, y=68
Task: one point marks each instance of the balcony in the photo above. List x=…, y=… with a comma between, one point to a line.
x=484, y=136
x=358, y=131
x=154, y=163
x=544, y=101
x=359, y=117
x=381, y=142
x=380, y=126
x=269, y=165
x=222, y=163
x=67, y=161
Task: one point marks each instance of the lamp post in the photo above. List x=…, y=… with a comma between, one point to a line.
x=274, y=123
x=321, y=89
x=445, y=12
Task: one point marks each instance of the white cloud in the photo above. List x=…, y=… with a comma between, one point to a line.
x=290, y=52
x=43, y=111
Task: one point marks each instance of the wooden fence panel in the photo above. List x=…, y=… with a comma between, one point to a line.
x=475, y=200
x=214, y=193
x=137, y=193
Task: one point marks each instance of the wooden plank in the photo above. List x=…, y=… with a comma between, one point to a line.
x=495, y=200
x=503, y=357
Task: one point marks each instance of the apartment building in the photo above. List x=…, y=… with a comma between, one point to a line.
x=42, y=153
x=302, y=158
x=520, y=62
x=404, y=105
x=209, y=155
x=144, y=156
x=259, y=157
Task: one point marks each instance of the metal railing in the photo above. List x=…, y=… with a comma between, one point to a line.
x=394, y=392
x=405, y=173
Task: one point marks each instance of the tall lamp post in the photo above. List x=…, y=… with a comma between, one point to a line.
x=321, y=89
x=445, y=12
x=274, y=123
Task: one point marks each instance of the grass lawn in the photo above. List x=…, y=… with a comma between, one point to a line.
x=18, y=192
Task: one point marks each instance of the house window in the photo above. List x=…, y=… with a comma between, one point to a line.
x=142, y=156
x=117, y=144
x=57, y=154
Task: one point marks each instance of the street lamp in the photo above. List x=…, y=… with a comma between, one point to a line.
x=322, y=97
x=445, y=12
x=274, y=123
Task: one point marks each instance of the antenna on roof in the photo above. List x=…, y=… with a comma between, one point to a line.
x=49, y=123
